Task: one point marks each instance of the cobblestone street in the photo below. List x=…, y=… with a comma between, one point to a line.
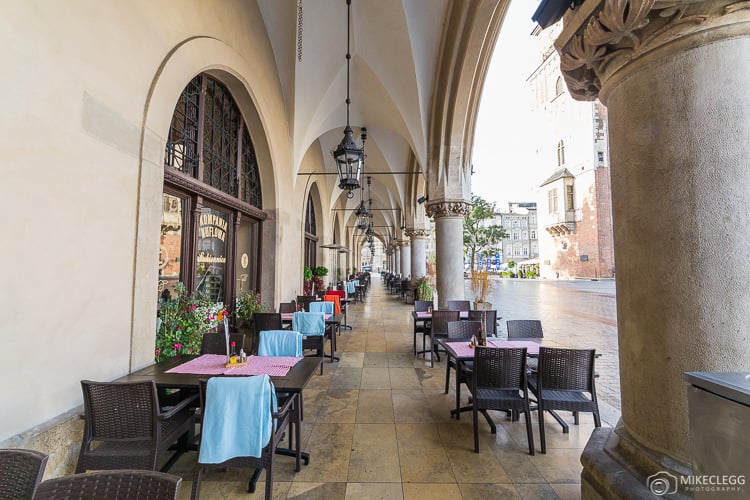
x=575, y=313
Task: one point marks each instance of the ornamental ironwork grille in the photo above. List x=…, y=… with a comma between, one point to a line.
x=222, y=155
x=182, y=143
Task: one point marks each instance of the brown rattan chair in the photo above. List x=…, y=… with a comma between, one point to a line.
x=287, y=307
x=460, y=331
x=439, y=330
x=281, y=416
x=459, y=305
x=124, y=427
x=305, y=301
x=490, y=319
x=216, y=342
x=499, y=383
x=263, y=322
x=564, y=381
x=524, y=329
x=420, y=325
x=112, y=485
x=21, y=472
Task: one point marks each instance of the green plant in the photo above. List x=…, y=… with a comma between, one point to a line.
x=320, y=271
x=424, y=290
x=183, y=321
x=307, y=274
x=247, y=304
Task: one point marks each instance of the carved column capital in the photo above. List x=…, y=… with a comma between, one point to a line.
x=619, y=32
x=417, y=233
x=448, y=208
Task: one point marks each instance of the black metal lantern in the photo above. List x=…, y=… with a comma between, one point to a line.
x=348, y=155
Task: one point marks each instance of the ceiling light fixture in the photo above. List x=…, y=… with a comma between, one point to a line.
x=349, y=157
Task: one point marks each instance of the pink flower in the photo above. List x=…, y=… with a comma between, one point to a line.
x=177, y=347
x=158, y=351
x=190, y=350
x=193, y=307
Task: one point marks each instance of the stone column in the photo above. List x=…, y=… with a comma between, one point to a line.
x=449, y=251
x=396, y=257
x=418, y=258
x=679, y=123
x=405, y=257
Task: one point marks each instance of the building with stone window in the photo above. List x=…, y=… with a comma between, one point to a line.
x=575, y=202
x=520, y=224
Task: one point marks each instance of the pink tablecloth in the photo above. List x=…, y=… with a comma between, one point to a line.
x=213, y=364
x=288, y=316
x=428, y=315
x=463, y=350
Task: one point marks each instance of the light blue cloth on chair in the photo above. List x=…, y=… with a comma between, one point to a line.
x=350, y=287
x=309, y=323
x=237, y=419
x=324, y=307
x=280, y=343
x=356, y=282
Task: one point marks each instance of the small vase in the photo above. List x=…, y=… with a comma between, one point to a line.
x=482, y=306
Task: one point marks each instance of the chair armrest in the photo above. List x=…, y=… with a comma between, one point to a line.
x=178, y=407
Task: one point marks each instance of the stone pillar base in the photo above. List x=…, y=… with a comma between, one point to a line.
x=616, y=466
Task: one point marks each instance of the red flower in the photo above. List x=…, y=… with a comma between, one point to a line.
x=177, y=347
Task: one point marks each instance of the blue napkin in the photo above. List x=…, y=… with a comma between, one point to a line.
x=324, y=307
x=309, y=323
x=280, y=343
x=237, y=419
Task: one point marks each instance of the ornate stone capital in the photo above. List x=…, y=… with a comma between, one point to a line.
x=619, y=32
x=417, y=233
x=448, y=208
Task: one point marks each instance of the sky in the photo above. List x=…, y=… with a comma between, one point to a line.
x=504, y=146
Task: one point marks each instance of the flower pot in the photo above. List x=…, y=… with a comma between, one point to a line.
x=482, y=306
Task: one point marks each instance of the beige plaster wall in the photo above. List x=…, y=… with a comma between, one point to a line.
x=90, y=90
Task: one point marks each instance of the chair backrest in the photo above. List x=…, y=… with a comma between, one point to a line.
x=490, y=319
x=422, y=305
x=440, y=320
x=500, y=368
x=117, y=411
x=461, y=330
x=350, y=288
x=267, y=321
x=280, y=343
x=459, y=305
x=309, y=323
x=566, y=369
x=287, y=307
x=321, y=306
x=237, y=417
x=336, y=301
x=216, y=342
x=21, y=472
x=524, y=329
x=305, y=301
x=112, y=485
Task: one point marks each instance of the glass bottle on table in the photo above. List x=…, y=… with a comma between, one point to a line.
x=233, y=353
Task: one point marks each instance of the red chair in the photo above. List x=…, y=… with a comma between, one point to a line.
x=336, y=302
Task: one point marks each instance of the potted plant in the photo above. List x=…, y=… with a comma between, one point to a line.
x=247, y=304
x=307, y=281
x=481, y=286
x=424, y=289
x=183, y=319
x=319, y=273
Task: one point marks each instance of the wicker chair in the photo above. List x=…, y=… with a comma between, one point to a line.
x=287, y=307
x=499, y=383
x=524, y=329
x=314, y=340
x=305, y=301
x=112, y=485
x=490, y=320
x=125, y=429
x=263, y=322
x=420, y=325
x=457, y=331
x=564, y=381
x=459, y=305
x=216, y=342
x=439, y=330
x=281, y=416
x=21, y=472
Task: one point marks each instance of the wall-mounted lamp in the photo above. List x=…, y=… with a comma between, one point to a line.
x=422, y=199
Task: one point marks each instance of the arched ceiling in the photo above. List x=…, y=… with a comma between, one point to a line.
x=396, y=47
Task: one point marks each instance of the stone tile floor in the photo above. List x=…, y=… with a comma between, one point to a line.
x=377, y=425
